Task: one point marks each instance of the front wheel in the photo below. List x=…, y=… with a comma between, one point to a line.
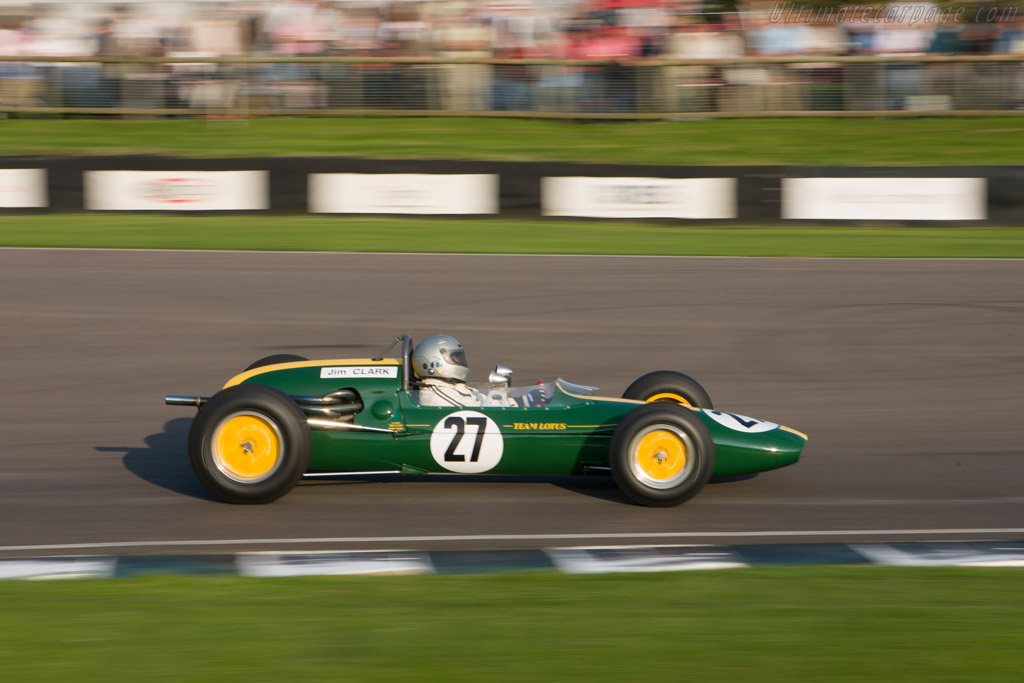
x=249, y=444
x=669, y=387
x=661, y=455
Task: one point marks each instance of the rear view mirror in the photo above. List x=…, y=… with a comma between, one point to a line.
x=500, y=376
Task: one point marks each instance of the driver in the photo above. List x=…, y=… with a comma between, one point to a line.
x=440, y=364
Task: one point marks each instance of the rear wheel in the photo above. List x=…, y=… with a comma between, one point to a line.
x=669, y=387
x=274, y=360
x=661, y=455
x=249, y=444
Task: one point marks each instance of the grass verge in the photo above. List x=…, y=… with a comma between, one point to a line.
x=811, y=624
x=816, y=142
x=326, y=233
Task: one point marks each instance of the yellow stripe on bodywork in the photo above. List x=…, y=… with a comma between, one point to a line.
x=248, y=374
x=793, y=431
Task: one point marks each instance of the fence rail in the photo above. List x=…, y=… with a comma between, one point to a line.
x=970, y=85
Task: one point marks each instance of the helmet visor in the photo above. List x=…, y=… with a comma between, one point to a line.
x=455, y=357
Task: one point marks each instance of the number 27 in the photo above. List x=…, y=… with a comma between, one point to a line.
x=460, y=430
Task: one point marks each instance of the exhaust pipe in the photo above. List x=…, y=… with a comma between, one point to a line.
x=192, y=401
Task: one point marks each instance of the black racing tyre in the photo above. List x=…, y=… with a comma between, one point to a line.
x=661, y=454
x=670, y=387
x=274, y=360
x=249, y=444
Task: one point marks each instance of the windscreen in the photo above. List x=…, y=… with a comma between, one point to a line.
x=534, y=394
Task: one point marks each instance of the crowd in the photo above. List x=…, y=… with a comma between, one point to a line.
x=617, y=31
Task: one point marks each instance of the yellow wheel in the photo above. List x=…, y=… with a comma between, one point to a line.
x=666, y=386
x=247, y=447
x=661, y=454
x=249, y=444
x=668, y=397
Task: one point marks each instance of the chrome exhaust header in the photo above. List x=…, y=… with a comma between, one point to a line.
x=192, y=401
x=330, y=411
x=335, y=405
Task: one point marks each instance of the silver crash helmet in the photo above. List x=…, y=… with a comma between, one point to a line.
x=440, y=356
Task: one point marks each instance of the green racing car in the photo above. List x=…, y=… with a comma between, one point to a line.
x=286, y=418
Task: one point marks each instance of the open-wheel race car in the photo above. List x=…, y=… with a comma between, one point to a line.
x=285, y=418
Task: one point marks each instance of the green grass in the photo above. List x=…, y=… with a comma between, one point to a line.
x=914, y=142
x=324, y=233
x=803, y=624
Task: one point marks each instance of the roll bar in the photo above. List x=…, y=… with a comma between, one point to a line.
x=406, y=360
x=406, y=357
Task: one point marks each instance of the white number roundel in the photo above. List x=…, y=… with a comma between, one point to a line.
x=467, y=442
x=740, y=423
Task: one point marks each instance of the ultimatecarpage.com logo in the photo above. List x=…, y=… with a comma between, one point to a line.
x=910, y=14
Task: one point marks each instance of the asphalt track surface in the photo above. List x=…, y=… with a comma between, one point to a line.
x=906, y=374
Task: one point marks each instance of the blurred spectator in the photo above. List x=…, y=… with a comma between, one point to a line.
x=615, y=33
x=609, y=87
x=512, y=82
x=698, y=88
x=904, y=81
x=466, y=34
x=419, y=27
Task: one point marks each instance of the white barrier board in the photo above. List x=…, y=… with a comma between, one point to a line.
x=411, y=193
x=176, y=190
x=336, y=563
x=698, y=198
x=884, y=199
x=23, y=188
